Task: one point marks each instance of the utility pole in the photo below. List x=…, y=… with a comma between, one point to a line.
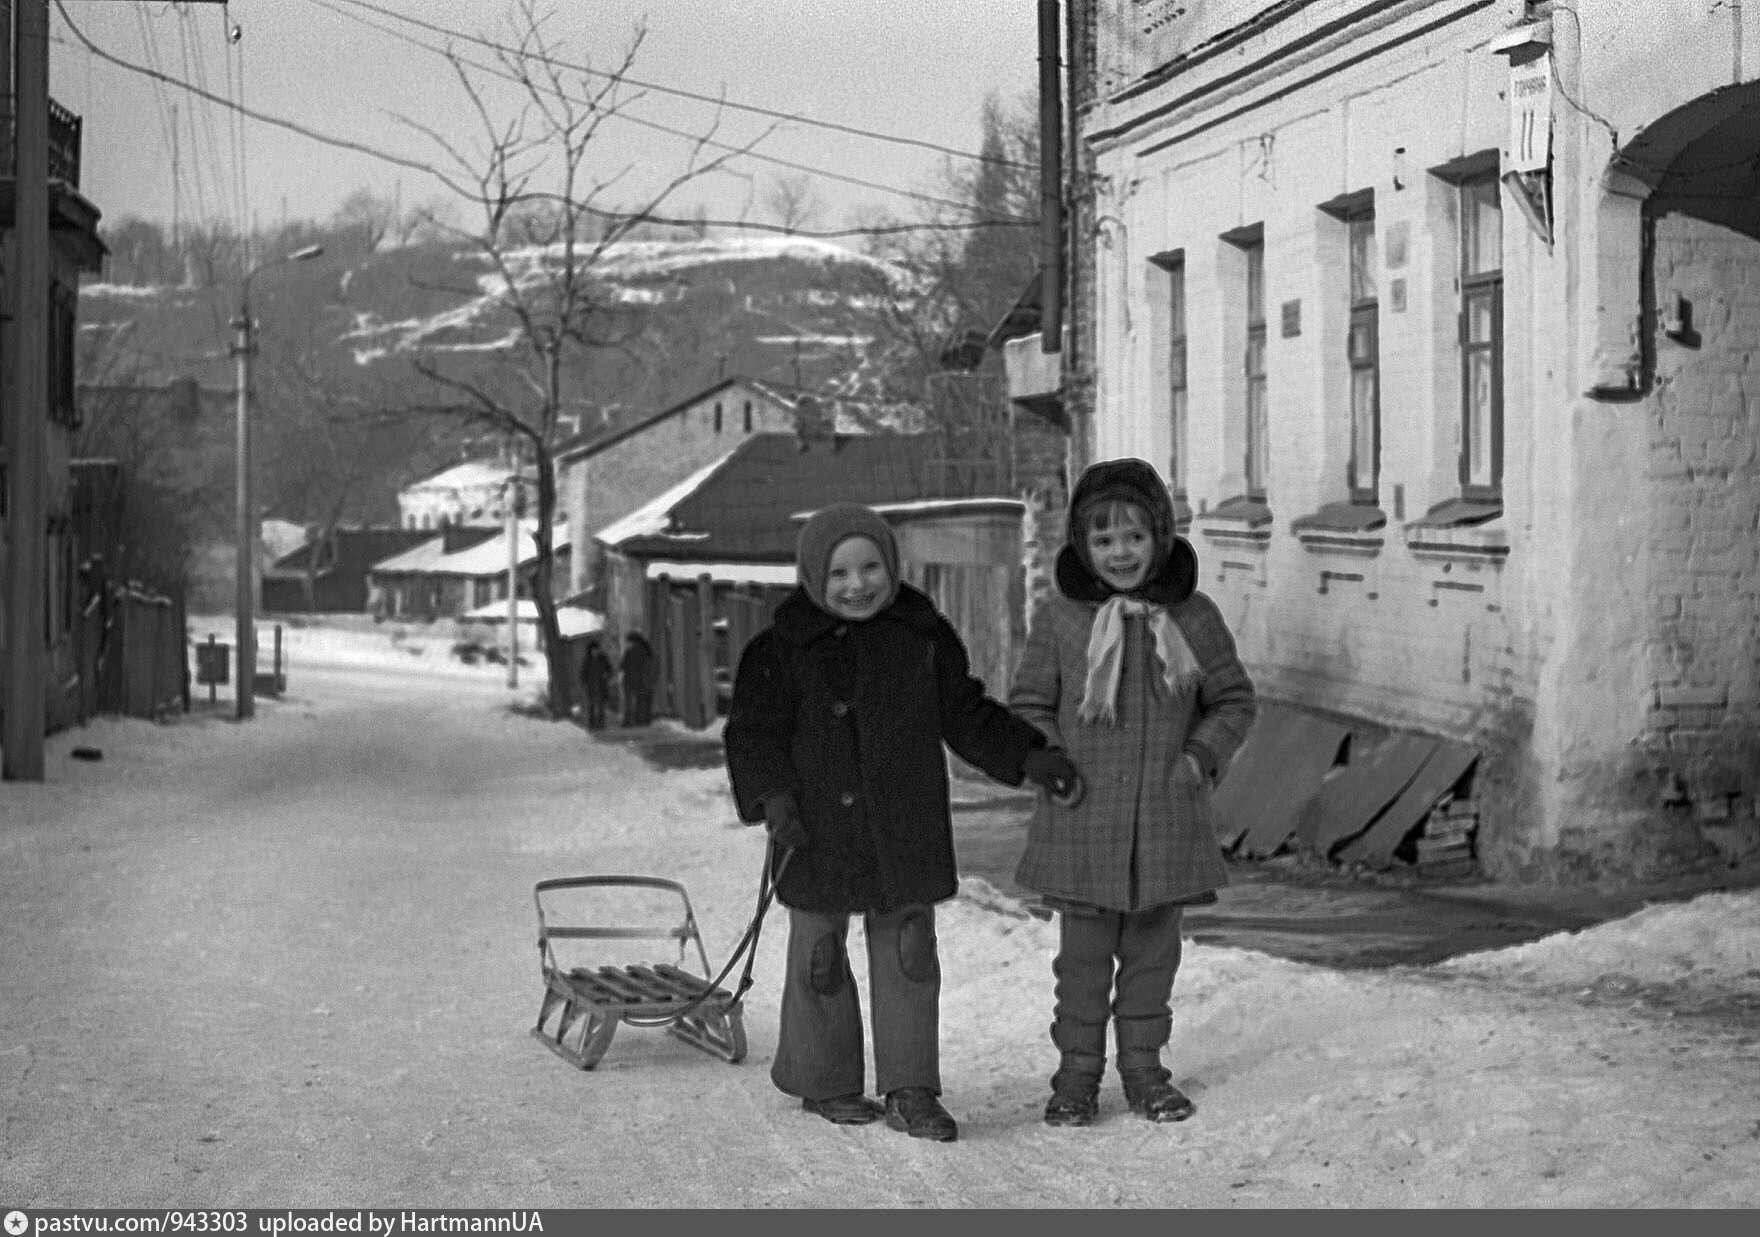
x=513, y=506
x=26, y=432
x=245, y=530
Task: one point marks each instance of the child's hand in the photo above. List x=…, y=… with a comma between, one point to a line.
x=1050, y=768
x=782, y=817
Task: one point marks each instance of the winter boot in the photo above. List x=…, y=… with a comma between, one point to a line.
x=1075, y=1087
x=918, y=1112
x=1148, y=1085
x=1153, y=1097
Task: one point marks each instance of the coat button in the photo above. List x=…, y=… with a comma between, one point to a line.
x=847, y=799
x=840, y=708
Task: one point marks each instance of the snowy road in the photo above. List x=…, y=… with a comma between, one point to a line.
x=290, y=963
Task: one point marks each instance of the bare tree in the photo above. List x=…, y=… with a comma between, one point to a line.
x=546, y=226
x=792, y=202
x=366, y=217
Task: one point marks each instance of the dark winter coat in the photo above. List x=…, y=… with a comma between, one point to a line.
x=850, y=718
x=1144, y=834
x=637, y=666
x=596, y=673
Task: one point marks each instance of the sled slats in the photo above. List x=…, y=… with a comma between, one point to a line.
x=582, y=1006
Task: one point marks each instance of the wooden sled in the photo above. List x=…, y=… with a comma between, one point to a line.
x=583, y=1005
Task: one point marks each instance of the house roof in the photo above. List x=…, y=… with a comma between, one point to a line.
x=485, y=558
x=356, y=550
x=462, y=476
x=741, y=508
x=593, y=444
x=655, y=515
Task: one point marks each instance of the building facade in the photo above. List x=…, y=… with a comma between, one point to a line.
x=474, y=494
x=606, y=477
x=75, y=251
x=1438, y=318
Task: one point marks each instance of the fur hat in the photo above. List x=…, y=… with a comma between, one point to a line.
x=829, y=528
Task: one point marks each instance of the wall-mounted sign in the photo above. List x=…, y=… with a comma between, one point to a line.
x=1292, y=319
x=1398, y=242
x=1530, y=114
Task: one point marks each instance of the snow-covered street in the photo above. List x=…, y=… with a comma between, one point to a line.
x=290, y=963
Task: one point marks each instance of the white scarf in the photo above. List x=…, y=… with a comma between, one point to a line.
x=1179, y=666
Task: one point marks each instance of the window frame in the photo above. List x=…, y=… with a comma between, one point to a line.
x=1476, y=285
x=1178, y=376
x=1365, y=312
x=1256, y=461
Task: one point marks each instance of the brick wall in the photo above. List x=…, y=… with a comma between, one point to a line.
x=1703, y=632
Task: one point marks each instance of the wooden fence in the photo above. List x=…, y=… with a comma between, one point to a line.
x=133, y=654
x=699, y=629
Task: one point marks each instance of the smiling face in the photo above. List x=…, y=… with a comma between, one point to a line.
x=857, y=583
x=1120, y=546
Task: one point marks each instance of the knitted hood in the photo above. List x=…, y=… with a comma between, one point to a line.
x=829, y=528
x=1174, y=574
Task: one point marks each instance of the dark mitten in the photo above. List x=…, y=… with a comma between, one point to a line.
x=1050, y=768
x=782, y=817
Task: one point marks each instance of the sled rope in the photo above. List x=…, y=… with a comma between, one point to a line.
x=748, y=946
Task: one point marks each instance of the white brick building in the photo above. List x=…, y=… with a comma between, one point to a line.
x=1441, y=317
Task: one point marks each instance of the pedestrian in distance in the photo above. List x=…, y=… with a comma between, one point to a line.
x=596, y=676
x=636, y=671
x=1133, y=671
x=834, y=740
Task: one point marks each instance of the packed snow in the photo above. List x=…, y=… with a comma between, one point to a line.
x=288, y=962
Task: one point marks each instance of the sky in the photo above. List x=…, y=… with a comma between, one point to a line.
x=289, y=963
x=349, y=69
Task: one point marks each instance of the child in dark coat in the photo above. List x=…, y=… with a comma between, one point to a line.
x=1132, y=670
x=834, y=740
x=636, y=671
x=596, y=674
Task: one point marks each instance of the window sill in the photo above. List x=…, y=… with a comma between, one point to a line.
x=1460, y=528
x=1342, y=528
x=1239, y=521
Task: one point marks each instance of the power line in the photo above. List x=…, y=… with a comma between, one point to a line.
x=430, y=170
x=753, y=108
x=655, y=125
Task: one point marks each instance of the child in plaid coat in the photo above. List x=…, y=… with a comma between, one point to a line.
x=1133, y=672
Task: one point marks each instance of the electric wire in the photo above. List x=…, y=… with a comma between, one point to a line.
x=235, y=128
x=716, y=100
x=656, y=125
x=429, y=169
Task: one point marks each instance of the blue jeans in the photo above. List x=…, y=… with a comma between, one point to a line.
x=819, y=1048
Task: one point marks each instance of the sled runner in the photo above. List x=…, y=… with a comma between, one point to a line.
x=584, y=1004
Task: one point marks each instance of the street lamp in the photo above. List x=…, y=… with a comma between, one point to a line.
x=243, y=347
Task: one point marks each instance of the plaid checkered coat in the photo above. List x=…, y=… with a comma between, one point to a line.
x=1143, y=834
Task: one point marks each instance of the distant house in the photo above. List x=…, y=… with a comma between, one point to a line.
x=604, y=478
x=473, y=494
x=449, y=575
x=729, y=531
x=337, y=568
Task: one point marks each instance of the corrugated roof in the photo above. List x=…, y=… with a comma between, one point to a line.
x=742, y=511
